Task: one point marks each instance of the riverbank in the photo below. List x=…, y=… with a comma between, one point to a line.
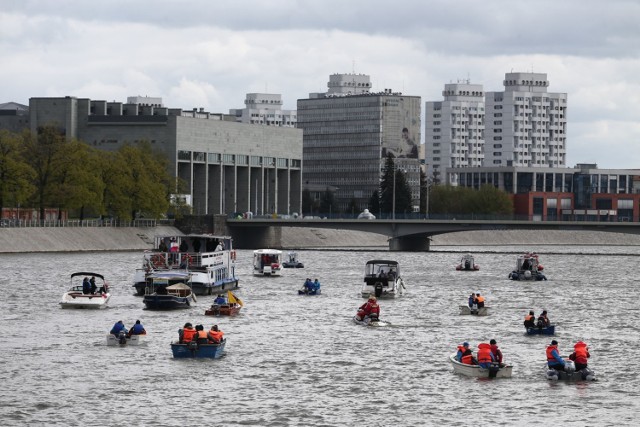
x=80, y=239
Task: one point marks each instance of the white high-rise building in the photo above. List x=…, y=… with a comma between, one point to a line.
x=454, y=131
x=265, y=109
x=525, y=125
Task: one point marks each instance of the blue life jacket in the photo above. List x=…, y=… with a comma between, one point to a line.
x=138, y=329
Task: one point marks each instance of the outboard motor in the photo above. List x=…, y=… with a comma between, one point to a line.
x=552, y=375
x=569, y=367
x=122, y=337
x=527, y=274
x=467, y=265
x=378, y=289
x=588, y=374
x=192, y=346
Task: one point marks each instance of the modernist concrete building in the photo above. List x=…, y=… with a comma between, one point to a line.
x=348, y=132
x=265, y=109
x=13, y=116
x=525, y=125
x=229, y=166
x=454, y=131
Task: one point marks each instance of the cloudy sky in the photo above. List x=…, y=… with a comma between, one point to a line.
x=210, y=53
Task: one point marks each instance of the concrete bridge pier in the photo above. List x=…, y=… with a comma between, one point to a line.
x=410, y=243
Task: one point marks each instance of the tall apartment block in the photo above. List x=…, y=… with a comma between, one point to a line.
x=525, y=125
x=348, y=132
x=454, y=131
x=265, y=109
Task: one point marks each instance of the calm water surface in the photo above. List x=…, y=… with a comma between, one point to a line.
x=295, y=360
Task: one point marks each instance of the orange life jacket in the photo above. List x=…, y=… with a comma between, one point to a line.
x=201, y=334
x=480, y=299
x=188, y=334
x=549, y=350
x=581, y=350
x=484, y=353
x=468, y=359
x=529, y=317
x=216, y=336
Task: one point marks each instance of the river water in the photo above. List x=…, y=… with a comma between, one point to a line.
x=300, y=361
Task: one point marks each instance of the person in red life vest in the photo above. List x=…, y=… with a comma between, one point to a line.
x=479, y=301
x=580, y=355
x=485, y=357
x=554, y=361
x=369, y=309
x=201, y=336
x=215, y=335
x=497, y=354
x=187, y=333
x=530, y=320
x=465, y=355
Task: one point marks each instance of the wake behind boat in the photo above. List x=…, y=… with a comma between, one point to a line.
x=86, y=294
x=382, y=278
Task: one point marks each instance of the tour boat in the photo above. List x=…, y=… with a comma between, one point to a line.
x=267, y=262
x=168, y=290
x=549, y=330
x=79, y=296
x=482, y=311
x=476, y=371
x=230, y=308
x=382, y=278
x=467, y=263
x=209, y=259
x=122, y=339
x=292, y=261
x=528, y=267
x=192, y=349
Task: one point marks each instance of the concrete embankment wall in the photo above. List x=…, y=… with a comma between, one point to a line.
x=73, y=239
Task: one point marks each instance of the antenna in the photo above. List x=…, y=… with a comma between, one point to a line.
x=353, y=66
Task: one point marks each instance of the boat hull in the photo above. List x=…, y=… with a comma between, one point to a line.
x=465, y=309
x=112, y=340
x=292, y=265
x=310, y=293
x=478, y=372
x=549, y=330
x=198, y=287
x=165, y=302
x=370, y=323
x=383, y=289
x=206, y=351
x=222, y=310
x=80, y=300
x=527, y=276
x=582, y=375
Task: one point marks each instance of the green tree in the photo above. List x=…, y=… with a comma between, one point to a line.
x=352, y=208
x=16, y=176
x=374, y=203
x=387, y=186
x=328, y=203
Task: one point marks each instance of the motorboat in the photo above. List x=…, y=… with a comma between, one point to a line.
x=292, y=261
x=497, y=371
x=549, y=330
x=475, y=311
x=168, y=290
x=371, y=321
x=209, y=259
x=193, y=349
x=309, y=292
x=528, y=267
x=123, y=339
x=467, y=263
x=87, y=293
x=230, y=307
x=310, y=288
x=570, y=373
x=382, y=278
x=267, y=262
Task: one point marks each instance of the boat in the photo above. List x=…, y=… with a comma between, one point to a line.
x=476, y=371
x=482, y=311
x=192, y=349
x=267, y=262
x=210, y=260
x=373, y=322
x=528, y=267
x=382, y=278
x=168, y=291
x=467, y=263
x=549, y=330
x=231, y=307
x=292, y=261
x=570, y=373
x=79, y=296
x=122, y=339
x=304, y=291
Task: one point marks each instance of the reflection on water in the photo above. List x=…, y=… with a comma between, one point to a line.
x=296, y=360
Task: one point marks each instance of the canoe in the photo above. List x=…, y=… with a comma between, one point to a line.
x=478, y=372
x=190, y=350
x=549, y=330
x=465, y=309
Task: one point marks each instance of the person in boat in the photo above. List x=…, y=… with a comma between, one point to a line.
x=117, y=327
x=173, y=248
x=580, y=355
x=316, y=285
x=369, y=309
x=187, y=333
x=86, y=286
x=480, y=301
x=554, y=361
x=220, y=300
x=543, y=320
x=497, y=353
x=137, y=329
x=162, y=247
x=215, y=335
x=485, y=357
x=472, y=301
x=465, y=355
x=526, y=264
x=220, y=246
x=392, y=274
x=201, y=336
x=530, y=320
x=92, y=284
x=308, y=285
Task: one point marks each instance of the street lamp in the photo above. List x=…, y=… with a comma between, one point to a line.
x=429, y=183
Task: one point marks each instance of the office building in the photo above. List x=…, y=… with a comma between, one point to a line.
x=264, y=109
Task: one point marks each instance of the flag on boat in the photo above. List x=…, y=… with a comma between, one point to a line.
x=234, y=299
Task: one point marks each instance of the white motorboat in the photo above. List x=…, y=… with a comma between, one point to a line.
x=467, y=263
x=267, y=262
x=87, y=293
x=208, y=259
x=382, y=278
x=528, y=267
x=122, y=339
x=371, y=322
x=504, y=371
x=482, y=311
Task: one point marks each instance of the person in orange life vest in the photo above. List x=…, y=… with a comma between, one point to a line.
x=369, y=308
x=465, y=355
x=187, y=333
x=530, y=320
x=497, y=354
x=485, y=357
x=554, y=361
x=215, y=335
x=201, y=336
x=543, y=320
x=479, y=301
x=580, y=355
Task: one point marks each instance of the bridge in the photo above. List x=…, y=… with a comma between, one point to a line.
x=407, y=235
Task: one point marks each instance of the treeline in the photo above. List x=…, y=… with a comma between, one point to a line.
x=44, y=170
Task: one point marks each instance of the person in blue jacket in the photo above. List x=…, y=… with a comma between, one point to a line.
x=137, y=329
x=220, y=300
x=316, y=285
x=308, y=285
x=554, y=361
x=117, y=327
